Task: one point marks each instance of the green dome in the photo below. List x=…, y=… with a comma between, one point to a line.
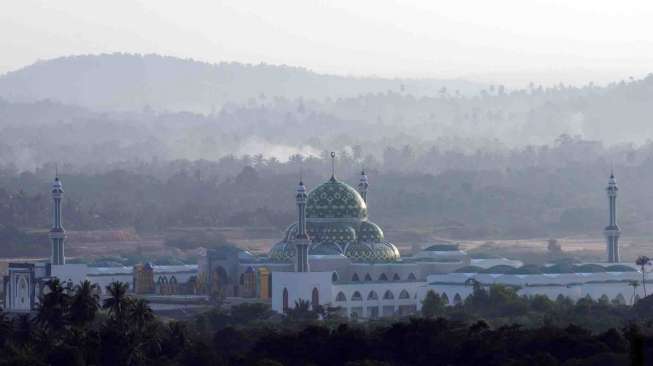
x=335, y=200
x=370, y=232
x=372, y=252
x=337, y=224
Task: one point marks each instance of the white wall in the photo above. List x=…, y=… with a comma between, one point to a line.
x=385, y=307
x=74, y=273
x=300, y=285
x=572, y=285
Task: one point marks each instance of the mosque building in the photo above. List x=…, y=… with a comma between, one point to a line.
x=333, y=256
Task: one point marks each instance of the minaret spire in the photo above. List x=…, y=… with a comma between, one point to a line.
x=302, y=241
x=57, y=233
x=362, y=185
x=333, y=165
x=612, y=231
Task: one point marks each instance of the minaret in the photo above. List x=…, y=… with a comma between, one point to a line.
x=612, y=231
x=302, y=241
x=57, y=233
x=362, y=186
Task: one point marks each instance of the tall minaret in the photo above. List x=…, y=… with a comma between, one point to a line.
x=362, y=186
x=57, y=233
x=302, y=241
x=612, y=231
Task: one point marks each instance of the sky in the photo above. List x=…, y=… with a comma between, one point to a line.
x=512, y=42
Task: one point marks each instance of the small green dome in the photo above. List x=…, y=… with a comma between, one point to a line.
x=340, y=233
x=370, y=232
x=335, y=200
x=372, y=252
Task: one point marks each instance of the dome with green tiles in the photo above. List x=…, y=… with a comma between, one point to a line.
x=337, y=225
x=335, y=200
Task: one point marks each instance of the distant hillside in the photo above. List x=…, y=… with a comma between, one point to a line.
x=128, y=82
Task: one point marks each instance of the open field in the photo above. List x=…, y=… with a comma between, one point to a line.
x=94, y=244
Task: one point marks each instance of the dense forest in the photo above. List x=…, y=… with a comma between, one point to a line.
x=494, y=326
x=509, y=198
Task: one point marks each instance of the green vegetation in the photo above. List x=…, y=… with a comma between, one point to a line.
x=494, y=326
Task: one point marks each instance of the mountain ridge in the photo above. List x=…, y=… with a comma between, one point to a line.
x=121, y=81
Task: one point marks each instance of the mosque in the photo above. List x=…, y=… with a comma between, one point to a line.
x=333, y=256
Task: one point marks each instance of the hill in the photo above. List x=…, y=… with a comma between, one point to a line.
x=131, y=82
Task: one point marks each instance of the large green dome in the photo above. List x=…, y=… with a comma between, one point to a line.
x=335, y=200
x=337, y=224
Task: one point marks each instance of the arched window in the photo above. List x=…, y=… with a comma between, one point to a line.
x=404, y=294
x=388, y=295
x=218, y=278
x=372, y=296
x=285, y=300
x=248, y=281
x=368, y=277
x=445, y=298
x=383, y=277
x=457, y=300
x=315, y=298
x=22, y=293
x=173, y=285
x=395, y=277
x=355, y=278
x=356, y=296
x=341, y=297
x=411, y=277
x=334, y=277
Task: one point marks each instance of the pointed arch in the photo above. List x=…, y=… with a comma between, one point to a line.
x=388, y=295
x=355, y=278
x=23, y=290
x=396, y=277
x=457, y=300
x=412, y=277
x=334, y=277
x=404, y=294
x=383, y=277
x=445, y=298
x=285, y=300
x=341, y=297
x=368, y=277
x=315, y=298
x=356, y=296
x=372, y=295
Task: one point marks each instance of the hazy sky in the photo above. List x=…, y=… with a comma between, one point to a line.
x=510, y=41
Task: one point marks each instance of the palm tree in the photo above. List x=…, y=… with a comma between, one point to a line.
x=140, y=313
x=642, y=262
x=53, y=306
x=84, y=304
x=302, y=311
x=118, y=301
x=6, y=328
x=635, y=285
x=476, y=285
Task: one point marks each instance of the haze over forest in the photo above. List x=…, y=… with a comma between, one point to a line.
x=154, y=141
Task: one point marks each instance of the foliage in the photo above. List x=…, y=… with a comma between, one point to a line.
x=494, y=326
x=432, y=305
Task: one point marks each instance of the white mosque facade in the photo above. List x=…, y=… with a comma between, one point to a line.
x=333, y=256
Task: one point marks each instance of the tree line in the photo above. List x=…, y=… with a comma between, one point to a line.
x=494, y=326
